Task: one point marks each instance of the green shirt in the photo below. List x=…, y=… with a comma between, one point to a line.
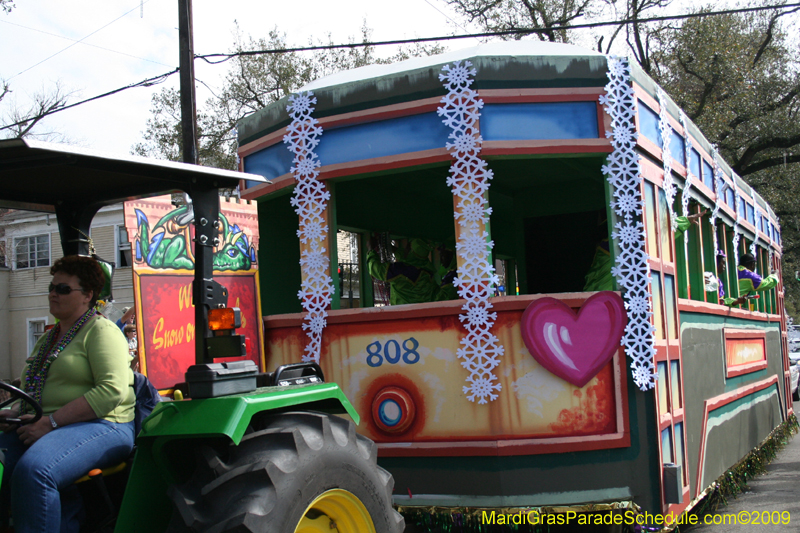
x=681, y=225
x=95, y=365
x=599, y=277
x=408, y=283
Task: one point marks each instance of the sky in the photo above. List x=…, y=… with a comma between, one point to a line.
x=124, y=42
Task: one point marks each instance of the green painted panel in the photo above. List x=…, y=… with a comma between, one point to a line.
x=278, y=255
x=689, y=318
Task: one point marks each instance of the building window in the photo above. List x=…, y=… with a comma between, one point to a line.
x=123, y=248
x=36, y=328
x=32, y=251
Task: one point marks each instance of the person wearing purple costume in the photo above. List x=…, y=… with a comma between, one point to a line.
x=749, y=281
x=721, y=269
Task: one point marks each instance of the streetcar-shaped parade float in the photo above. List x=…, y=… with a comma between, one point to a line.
x=533, y=388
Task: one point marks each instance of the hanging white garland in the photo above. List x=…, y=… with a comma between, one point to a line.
x=666, y=156
x=687, y=158
x=632, y=270
x=771, y=242
x=719, y=185
x=756, y=220
x=469, y=178
x=736, y=236
x=310, y=200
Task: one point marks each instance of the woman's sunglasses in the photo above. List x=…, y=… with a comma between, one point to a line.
x=62, y=288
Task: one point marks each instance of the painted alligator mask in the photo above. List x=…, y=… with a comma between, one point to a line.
x=167, y=244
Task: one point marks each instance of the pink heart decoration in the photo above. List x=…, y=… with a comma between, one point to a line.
x=573, y=346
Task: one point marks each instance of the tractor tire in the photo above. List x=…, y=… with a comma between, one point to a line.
x=297, y=472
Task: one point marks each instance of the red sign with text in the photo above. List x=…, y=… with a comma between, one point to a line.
x=167, y=324
x=162, y=250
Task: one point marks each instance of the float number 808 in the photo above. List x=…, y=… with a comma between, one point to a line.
x=392, y=352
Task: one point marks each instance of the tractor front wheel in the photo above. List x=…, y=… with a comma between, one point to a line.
x=295, y=472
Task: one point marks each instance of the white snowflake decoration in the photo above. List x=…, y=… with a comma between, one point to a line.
x=310, y=200
x=628, y=235
x=632, y=270
x=666, y=133
x=469, y=178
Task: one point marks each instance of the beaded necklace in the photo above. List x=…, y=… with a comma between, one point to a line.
x=39, y=364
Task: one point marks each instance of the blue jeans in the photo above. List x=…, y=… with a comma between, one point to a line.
x=36, y=475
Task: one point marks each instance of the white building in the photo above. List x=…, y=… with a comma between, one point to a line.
x=29, y=245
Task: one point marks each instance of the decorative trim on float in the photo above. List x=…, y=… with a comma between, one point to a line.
x=531, y=147
x=520, y=96
x=434, y=156
x=376, y=114
x=731, y=334
x=749, y=368
x=693, y=306
x=480, y=350
x=427, y=105
x=469, y=507
x=632, y=269
x=712, y=404
x=310, y=200
x=427, y=310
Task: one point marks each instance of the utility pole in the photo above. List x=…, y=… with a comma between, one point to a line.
x=186, y=64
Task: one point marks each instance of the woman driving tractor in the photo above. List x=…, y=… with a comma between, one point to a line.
x=79, y=372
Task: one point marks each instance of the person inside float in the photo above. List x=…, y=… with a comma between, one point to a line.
x=599, y=277
x=446, y=274
x=714, y=283
x=684, y=223
x=410, y=275
x=79, y=371
x=751, y=283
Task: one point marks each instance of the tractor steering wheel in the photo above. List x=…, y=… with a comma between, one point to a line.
x=17, y=394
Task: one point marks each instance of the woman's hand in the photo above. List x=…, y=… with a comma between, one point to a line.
x=8, y=413
x=30, y=433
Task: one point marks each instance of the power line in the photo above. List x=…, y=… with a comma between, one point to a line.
x=525, y=31
x=155, y=80
x=80, y=41
x=161, y=78
x=445, y=15
x=73, y=44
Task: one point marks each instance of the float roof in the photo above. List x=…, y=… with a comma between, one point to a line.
x=37, y=176
x=500, y=65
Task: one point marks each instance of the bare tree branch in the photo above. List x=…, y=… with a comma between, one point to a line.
x=42, y=103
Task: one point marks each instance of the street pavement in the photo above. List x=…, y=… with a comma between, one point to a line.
x=770, y=494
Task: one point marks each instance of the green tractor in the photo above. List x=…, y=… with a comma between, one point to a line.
x=249, y=451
